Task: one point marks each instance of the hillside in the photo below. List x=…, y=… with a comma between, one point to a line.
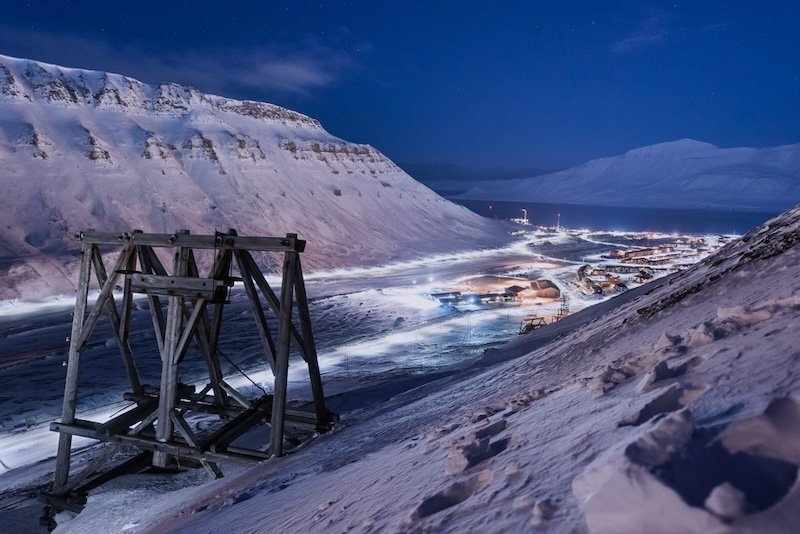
x=678, y=174
x=673, y=408
x=84, y=149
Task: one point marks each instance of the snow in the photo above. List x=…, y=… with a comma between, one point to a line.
x=83, y=149
x=678, y=174
x=695, y=427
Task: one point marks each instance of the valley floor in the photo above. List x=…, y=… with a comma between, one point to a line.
x=475, y=443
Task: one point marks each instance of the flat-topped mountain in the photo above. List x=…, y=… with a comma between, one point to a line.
x=85, y=149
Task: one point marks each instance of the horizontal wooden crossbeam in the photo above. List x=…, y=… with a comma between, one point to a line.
x=179, y=286
x=218, y=241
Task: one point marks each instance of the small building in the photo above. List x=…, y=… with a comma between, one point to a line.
x=544, y=288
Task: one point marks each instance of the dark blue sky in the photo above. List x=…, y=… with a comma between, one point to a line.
x=483, y=85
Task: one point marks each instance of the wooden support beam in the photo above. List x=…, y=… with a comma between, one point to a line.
x=169, y=360
x=219, y=440
x=282, y=357
x=175, y=448
x=255, y=304
x=105, y=293
x=207, y=334
x=181, y=286
x=73, y=362
x=127, y=302
x=189, y=330
x=123, y=422
x=269, y=295
x=186, y=240
x=212, y=468
x=145, y=423
x=235, y=395
x=310, y=347
x=157, y=313
x=183, y=428
x=92, y=467
x=117, y=322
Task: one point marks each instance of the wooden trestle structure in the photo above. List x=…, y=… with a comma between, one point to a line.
x=156, y=424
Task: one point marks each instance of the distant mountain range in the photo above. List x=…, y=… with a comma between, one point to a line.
x=678, y=174
x=85, y=149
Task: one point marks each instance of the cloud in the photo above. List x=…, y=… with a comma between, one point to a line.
x=288, y=69
x=652, y=31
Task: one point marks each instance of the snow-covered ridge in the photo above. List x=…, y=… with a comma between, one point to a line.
x=85, y=149
x=678, y=174
x=26, y=80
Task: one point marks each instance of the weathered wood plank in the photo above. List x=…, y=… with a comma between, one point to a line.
x=181, y=286
x=219, y=440
x=242, y=456
x=122, y=422
x=105, y=293
x=117, y=322
x=73, y=362
x=189, y=329
x=310, y=346
x=156, y=312
x=169, y=360
x=219, y=241
x=203, y=331
x=235, y=395
x=258, y=312
x=270, y=296
x=183, y=428
x=92, y=467
x=282, y=356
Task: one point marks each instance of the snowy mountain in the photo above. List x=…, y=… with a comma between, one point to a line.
x=83, y=149
x=679, y=174
x=672, y=408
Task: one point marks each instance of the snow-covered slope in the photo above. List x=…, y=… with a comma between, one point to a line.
x=679, y=174
x=83, y=149
x=673, y=408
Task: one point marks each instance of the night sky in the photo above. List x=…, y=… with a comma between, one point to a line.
x=485, y=89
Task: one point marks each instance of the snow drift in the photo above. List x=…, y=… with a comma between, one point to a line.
x=678, y=174
x=83, y=149
x=672, y=408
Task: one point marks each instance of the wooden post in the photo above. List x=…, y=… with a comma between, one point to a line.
x=310, y=348
x=120, y=326
x=211, y=329
x=282, y=356
x=71, y=384
x=168, y=390
x=269, y=294
x=156, y=312
x=261, y=322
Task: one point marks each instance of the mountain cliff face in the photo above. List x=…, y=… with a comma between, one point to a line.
x=679, y=174
x=83, y=149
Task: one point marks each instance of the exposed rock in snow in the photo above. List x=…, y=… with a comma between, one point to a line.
x=727, y=502
x=82, y=149
x=678, y=174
